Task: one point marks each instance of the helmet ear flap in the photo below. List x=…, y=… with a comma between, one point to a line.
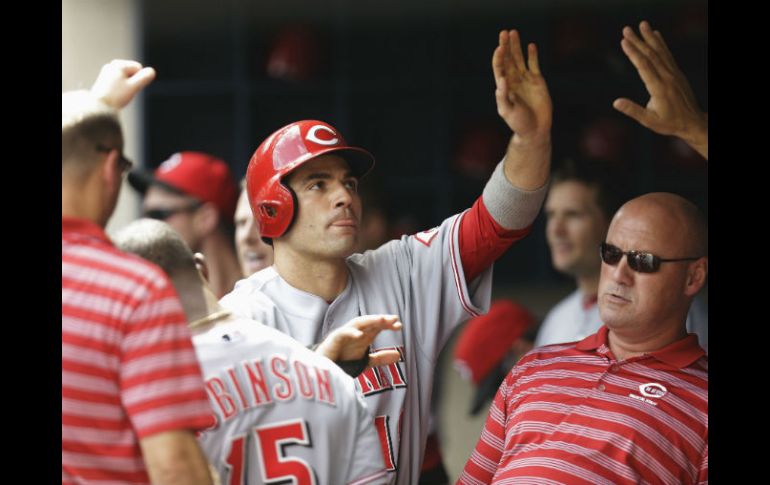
x=275, y=215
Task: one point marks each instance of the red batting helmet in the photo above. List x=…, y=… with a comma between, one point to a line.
x=273, y=203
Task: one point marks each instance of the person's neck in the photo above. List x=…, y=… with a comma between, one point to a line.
x=80, y=202
x=207, y=313
x=325, y=278
x=588, y=285
x=625, y=345
x=224, y=268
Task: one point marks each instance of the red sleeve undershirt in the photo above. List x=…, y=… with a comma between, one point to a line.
x=482, y=240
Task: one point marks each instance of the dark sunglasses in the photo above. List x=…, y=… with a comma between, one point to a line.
x=163, y=214
x=124, y=163
x=637, y=260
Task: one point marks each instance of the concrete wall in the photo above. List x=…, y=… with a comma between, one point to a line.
x=93, y=33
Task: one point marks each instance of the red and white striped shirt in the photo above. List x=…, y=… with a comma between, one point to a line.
x=574, y=414
x=129, y=369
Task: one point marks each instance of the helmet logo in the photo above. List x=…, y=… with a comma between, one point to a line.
x=171, y=163
x=311, y=135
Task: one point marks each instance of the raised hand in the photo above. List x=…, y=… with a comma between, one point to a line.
x=521, y=93
x=672, y=108
x=120, y=80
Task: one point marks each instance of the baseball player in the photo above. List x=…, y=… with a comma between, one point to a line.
x=302, y=184
x=284, y=414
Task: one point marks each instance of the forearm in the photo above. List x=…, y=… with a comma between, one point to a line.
x=527, y=161
x=698, y=137
x=174, y=457
x=515, y=202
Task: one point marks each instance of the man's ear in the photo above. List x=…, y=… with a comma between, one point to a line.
x=201, y=266
x=696, y=276
x=206, y=218
x=111, y=172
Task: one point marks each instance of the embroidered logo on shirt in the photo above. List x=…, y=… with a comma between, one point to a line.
x=653, y=389
x=426, y=237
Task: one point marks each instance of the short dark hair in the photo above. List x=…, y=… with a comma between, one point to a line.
x=158, y=243
x=605, y=177
x=87, y=123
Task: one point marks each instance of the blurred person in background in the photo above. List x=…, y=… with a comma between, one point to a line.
x=195, y=193
x=132, y=393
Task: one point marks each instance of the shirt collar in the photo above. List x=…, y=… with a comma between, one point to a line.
x=680, y=354
x=83, y=227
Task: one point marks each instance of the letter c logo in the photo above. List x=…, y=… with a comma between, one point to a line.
x=311, y=135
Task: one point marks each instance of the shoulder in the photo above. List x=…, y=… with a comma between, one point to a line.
x=266, y=341
x=249, y=291
x=107, y=266
x=565, y=306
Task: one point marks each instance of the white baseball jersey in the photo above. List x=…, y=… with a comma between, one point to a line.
x=570, y=321
x=419, y=278
x=284, y=413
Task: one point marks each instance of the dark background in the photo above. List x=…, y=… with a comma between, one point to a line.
x=411, y=82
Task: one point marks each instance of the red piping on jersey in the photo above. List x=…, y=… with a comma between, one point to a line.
x=454, y=266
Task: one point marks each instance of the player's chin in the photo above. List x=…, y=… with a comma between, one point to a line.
x=344, y=246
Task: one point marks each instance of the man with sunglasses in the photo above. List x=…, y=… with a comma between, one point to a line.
x=583, y=196
x=580, y=200
x=132, y=393
x=195, y=193
x=628, y=404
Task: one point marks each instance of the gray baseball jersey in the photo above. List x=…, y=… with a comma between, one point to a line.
x=284, y=414
x=421, y=279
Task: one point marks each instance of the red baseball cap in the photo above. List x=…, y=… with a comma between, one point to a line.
x=196, y=174
x=486, y=339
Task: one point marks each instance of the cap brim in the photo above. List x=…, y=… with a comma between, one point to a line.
x=141, y=180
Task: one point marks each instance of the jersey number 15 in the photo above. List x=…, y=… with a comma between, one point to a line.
x=274, y=465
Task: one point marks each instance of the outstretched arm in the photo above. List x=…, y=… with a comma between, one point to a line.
x=120, y=80
x=672, y=108
x=514, y=194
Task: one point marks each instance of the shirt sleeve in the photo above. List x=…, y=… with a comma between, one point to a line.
x=482, y=239
x=160, y=378
x=483, y=462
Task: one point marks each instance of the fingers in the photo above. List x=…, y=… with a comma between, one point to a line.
x=646, y=71
x=142, y=78
x=657, y=45
x=501, y=93
x=632, y=110
x=498, y=57
x=383, y=357
x=515, y=53
x=126, y=65
x=371, y=323
x=533, y=61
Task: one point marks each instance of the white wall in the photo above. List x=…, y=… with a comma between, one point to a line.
x=93, y=33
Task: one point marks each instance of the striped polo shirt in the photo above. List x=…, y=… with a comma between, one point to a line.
x=572, y=413
x=129, y=369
